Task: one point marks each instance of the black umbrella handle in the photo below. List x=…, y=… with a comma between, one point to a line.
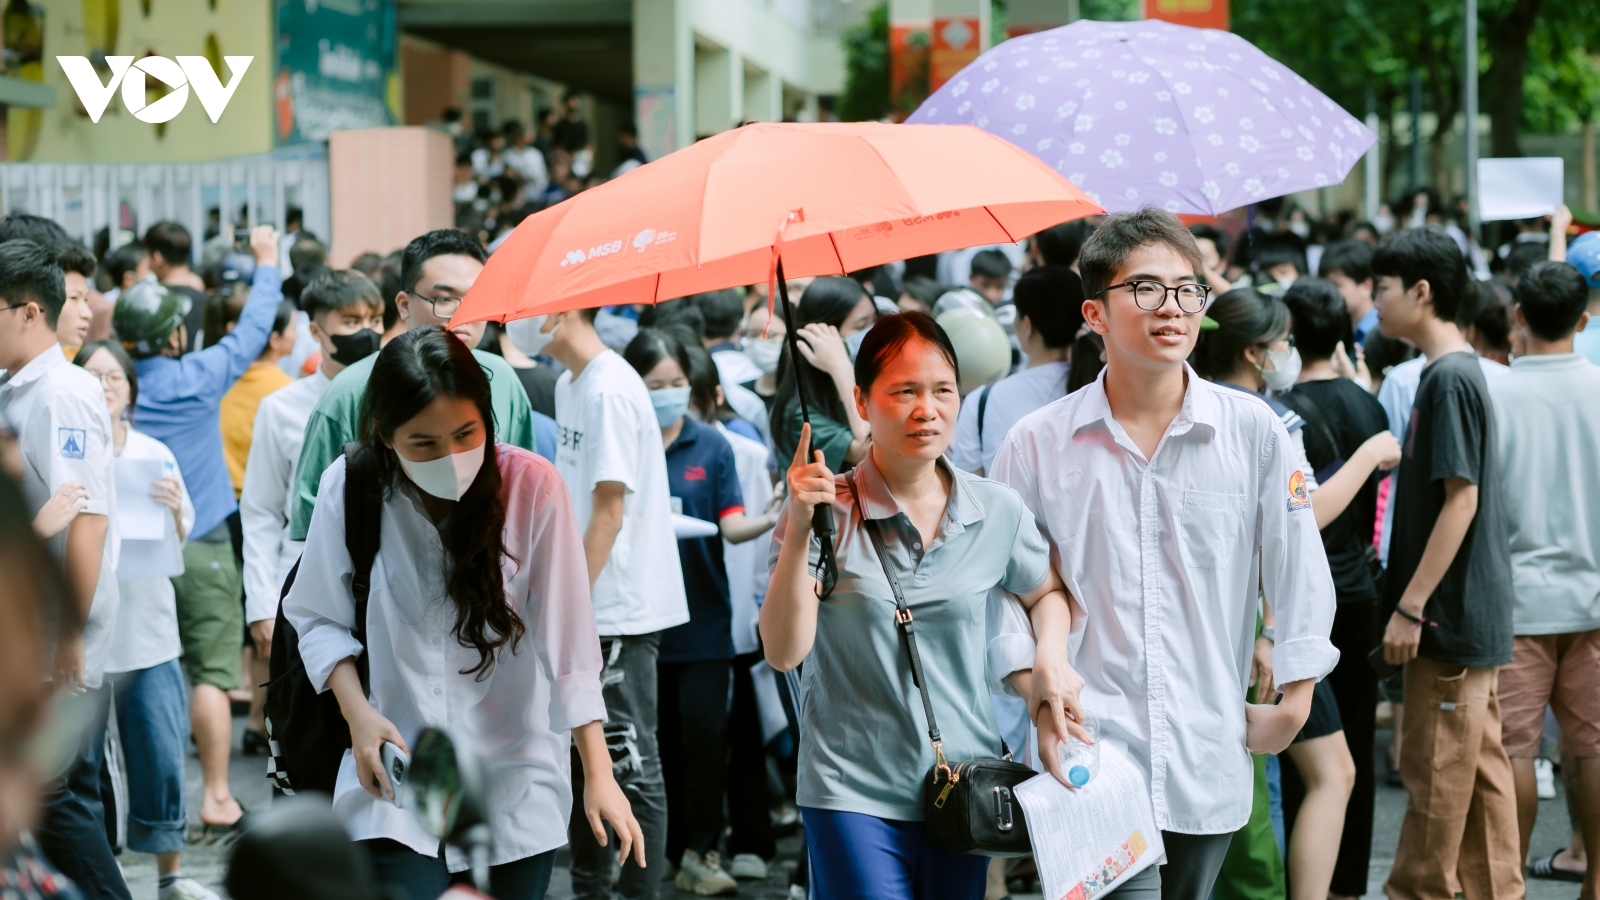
x=821, y=515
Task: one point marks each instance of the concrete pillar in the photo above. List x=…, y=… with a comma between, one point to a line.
x=663, y=75
x=761, y=102
x=960, y=34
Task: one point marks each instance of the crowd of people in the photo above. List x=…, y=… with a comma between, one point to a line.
x=1230, y=497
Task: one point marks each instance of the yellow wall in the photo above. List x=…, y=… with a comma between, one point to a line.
x=172, y=28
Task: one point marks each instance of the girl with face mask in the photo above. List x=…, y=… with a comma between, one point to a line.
x=694, y=668
x=481, y=588
x=833, y=316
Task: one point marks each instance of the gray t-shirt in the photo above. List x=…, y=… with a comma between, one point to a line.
x=1451, y=434
x=863, y=735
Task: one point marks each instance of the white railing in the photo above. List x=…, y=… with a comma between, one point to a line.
x=86, y=197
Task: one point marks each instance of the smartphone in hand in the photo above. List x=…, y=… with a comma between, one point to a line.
x=397, y=763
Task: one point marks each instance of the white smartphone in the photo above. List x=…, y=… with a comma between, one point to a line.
x=396, y=763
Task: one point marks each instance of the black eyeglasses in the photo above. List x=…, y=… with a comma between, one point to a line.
x=443, y=307
x=1152, y=295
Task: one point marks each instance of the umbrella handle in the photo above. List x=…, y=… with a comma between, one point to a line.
x=821, y=516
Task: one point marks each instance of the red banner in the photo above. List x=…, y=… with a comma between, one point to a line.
x=956, y=42
x=908, y=66
x=1195, y=13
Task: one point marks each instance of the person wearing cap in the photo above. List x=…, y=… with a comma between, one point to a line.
x=1584, y=255
x=179, y=404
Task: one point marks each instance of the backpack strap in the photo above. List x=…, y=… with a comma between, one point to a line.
x=983, y=407
x=363, y=511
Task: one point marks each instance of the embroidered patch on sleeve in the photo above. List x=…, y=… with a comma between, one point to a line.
x=70, y=442
x=1299, y=497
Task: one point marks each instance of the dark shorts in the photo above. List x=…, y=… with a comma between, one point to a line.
x=1324, y=719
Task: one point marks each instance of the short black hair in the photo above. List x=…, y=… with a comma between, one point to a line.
x=439, y=242
x=1321, y=318
x=1208, y=232
x=1059, y=245
x=171, y=240
x=1524, y=255
x=306, y=249
x=1492, y=324
x=1553, y=297
x=1429, y=254
x=20, y=226
x=1108, y=248
x=388, y=282
x=1051, y=299
x=723, y=312
x=925, y=290
x=29, y=272
x=1350, y=258
x=681, y=311
x=125, y=259
x=991, y=264
x=73, y=257
x=893, y=332
x=283, y=319
x=304, y=274
x=1272, y=253
x=339, y=290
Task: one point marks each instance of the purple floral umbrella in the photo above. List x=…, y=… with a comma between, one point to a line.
x=1190, y=119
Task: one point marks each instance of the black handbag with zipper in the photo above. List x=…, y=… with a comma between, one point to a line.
x=969, y=806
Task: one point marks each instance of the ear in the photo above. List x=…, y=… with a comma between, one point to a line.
x=1423, y=291
x=1095, y=315
x=1583, y=322
x=1518, y=321
x=402, y=302
x=317, y=334
x=861, y=403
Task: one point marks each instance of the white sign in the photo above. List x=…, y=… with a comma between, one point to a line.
x=1519, y=188
x=188, y=71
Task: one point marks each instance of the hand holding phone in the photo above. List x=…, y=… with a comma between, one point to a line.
x=396, y=763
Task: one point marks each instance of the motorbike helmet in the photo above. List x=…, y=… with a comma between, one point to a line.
x=144, y=318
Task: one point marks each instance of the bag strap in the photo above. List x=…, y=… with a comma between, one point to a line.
x=983, y=407
x=363, y=511
x=907, y=624
x=1313, y=414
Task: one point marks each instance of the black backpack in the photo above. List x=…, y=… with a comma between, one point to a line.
x=306, y=733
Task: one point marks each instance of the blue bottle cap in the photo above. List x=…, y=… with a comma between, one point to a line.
x=1078, y=775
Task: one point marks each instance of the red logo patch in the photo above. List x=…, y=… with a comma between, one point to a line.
x=694, y=473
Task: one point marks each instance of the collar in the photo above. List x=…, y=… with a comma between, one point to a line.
x=722, y=346
x=876, y=502
x=38, y=366
x=1551, y=361
x=690, y=431
x=1199, y=405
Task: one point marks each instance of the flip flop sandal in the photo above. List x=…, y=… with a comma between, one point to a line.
x=1546, y=868
x=209, y=835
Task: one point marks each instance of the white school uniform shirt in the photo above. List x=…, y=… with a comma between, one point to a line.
x=147, y=620
x=608, y=432
x=58, y=411
x=742, y=560
x=279, y=430
x=518, y=717
x=1009, y=400
x=1167, y=556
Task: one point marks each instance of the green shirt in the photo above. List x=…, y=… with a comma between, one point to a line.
x=335, y=422
x=827, y=435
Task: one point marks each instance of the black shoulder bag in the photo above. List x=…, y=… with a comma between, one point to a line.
x=968, y=807
x=306, y=733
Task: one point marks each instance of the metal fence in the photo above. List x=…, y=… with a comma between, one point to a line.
x=127, y=198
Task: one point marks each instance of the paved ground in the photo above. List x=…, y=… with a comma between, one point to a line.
x=250, y=786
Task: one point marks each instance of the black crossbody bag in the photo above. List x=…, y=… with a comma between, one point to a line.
x=968, y=807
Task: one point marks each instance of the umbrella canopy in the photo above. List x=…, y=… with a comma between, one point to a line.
x=1189, y=119
x=829, y=198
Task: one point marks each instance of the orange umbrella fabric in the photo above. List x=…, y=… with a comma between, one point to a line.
x=830, y=198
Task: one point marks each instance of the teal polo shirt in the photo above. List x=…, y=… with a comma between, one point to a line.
x=863, y=735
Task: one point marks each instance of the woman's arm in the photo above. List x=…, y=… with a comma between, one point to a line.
x=1381, y=451
x=823, y=348
x=738, y=527
x=603, y=800
x=369, y=730
x=789, y=613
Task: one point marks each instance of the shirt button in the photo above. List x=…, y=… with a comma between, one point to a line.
x=917, y=546
x=437, y=692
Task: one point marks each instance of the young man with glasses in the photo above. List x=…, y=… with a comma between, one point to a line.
x=1172, y=504
x=436, y=271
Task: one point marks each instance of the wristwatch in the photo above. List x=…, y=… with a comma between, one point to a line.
x=1270, y=633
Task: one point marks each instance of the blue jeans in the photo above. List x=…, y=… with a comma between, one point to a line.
x=72, y=825
x=409, y=875
x=153, y=722
x=860, y=857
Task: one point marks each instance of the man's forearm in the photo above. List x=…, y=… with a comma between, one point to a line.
x=86, y=542
x=1449, y=530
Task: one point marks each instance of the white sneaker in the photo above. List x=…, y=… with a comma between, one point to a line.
x=704, y=876
x=1544, y=774
x=796, y=892
x=748, y=867
x=189, y=889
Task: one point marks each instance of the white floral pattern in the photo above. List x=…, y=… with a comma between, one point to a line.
x=1252, y=128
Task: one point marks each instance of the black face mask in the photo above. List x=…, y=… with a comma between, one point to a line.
x=349, y=349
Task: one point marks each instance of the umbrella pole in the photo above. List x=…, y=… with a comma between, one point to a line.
x=821, y=516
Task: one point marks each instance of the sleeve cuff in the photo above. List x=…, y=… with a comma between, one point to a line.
x=323, y=647
x=575, y=700
x=1008, y=653
x=1303, y=658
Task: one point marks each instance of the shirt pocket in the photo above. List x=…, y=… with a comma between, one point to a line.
x=1211, y=525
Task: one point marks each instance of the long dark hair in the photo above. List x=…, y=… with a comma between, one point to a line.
x=1245, y=318
x=415, y=369
x=826, y=301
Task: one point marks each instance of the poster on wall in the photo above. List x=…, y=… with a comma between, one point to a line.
x=336, y=68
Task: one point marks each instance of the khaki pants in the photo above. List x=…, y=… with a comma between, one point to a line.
x=1460, y=827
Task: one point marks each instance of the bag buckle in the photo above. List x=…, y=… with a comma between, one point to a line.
x=902, y=616
x=1002, y=808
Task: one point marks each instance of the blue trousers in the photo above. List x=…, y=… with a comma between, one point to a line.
x=409, y=875
x=861, y=857
x=153, y=721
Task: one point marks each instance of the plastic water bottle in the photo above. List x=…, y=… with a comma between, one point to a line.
x=1081, y=761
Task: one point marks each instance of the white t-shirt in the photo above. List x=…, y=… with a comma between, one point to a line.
x=147, y=624
x=746, y=564
x=1009, y=400
x=58, y=411
x=608, y=432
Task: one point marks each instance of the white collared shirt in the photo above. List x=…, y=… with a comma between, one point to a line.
x=1167, y=556
x=279, y=430
x=147, y=616
x=518, y=717
x=58, y=411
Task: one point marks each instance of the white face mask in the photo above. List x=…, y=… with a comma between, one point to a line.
x=852, y=344
x=525, y=335
x=1300, y=229
x=447, y=477
x=1285, y=369
x=763, y=353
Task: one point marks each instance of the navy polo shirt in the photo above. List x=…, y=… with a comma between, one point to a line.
x=701, y=472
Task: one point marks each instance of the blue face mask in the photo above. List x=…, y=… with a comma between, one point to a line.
x=671, y=404
x=853, y=343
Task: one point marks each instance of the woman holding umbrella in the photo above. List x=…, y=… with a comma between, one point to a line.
x=832, y=318
x=952, y=537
